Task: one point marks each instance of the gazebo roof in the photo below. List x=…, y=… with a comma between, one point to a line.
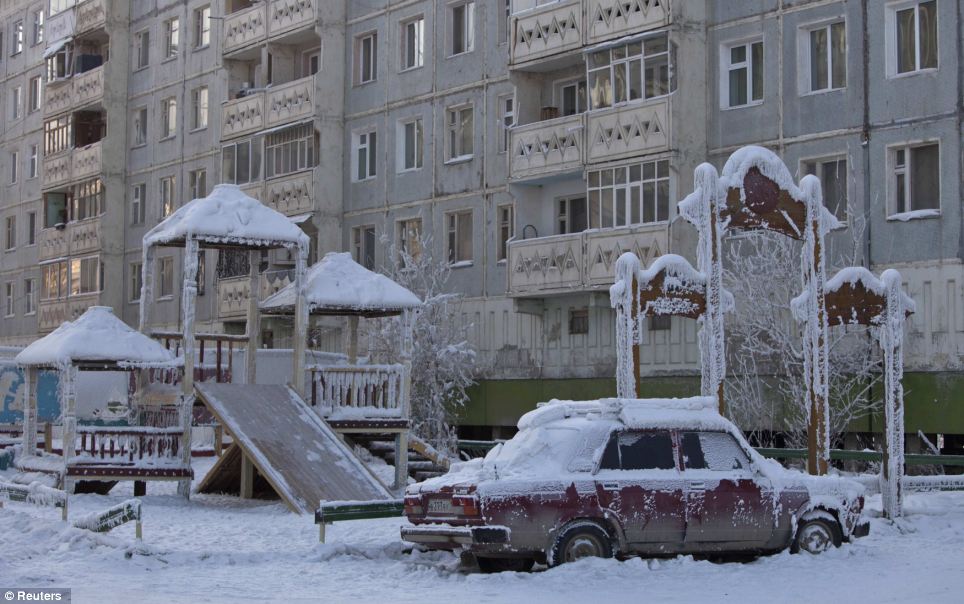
x=227, y=218
x=96, y=338
x=340, y=286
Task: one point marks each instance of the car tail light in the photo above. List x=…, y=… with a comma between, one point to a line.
x=413, y=505
x=468, y=503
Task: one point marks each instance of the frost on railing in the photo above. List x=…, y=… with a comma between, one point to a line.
x=135, y=445
x=358, y=392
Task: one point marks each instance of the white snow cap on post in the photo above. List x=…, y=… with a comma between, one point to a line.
x=854, y=275
x=96, y=335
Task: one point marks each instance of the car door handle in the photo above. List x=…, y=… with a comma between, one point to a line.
x=698, y=486
x=610, y=486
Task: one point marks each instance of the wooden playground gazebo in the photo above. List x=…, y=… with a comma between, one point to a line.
x=99, y=341
x=358, y=398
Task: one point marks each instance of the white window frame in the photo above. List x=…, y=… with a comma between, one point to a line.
x=139, y=127
x=162, y=291
x=200, y=108
x=360, y=249
x=10, y=233
x=362, y=140
x=360, y=56
x=805, y=52
x=31, y=229
x=726, y=67
x=168, y=118
x=506, y=120
x=17, y=39
x=893, y=170
x=167, y=190
x=197, y=181
x=401, y=155
x=33, y=162
x=558, y=94
x=135, y=282
x=29, y=297
x=34, y=93
x=16, y=102
x=14, y=167
x=405, y=243
x=454, y=233
x=142, y=49
x=890, y=37
x=820, y=160
x=505, y=231
x=38, y=26
x=172, y=38
x=418, y=23
x=75, y=281
x=566, y=214
x=138, y=203
x=467, y=27
x=202, y=27
x=454, y=134
x=9, y=297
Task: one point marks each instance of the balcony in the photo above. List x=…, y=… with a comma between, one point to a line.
x=242, y=116
x=613, y=19
x=58, y=97
x=545, y=148
x=545, y=31
x=578, y=262
x=53, y=243
x=233, y=292
x=290, y=195
x=51, y=313
x=290, y=15
x=88, y=87
x=86, y=161
x=57, y=170
x=75, y=238
x=628, y=130
x=90, y=15
x=245, y=28
x=291, y=101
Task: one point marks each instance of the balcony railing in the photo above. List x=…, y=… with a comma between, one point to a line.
x=287, y=15
x=244, y=28
x=51, y=313
x=580, y=261
x=242, y=116
x=547, y=30
x=135, y=446
x=291, y=101
x=233, y=291
x=86, y=161
x=57, y=169
x=627, y=130
x=88, y=87
x=612, y=19
x=58, y=97
x=53, y=243
x=74, y=238
x=290, y=195
x=549, y=147
x=91, y=14
x=358, y=391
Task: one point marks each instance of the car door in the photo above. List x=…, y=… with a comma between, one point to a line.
x=728, y=504
x=638, y=480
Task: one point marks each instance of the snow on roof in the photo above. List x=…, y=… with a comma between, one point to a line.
x=227, y=215
x=97, y=335
x=340, y=283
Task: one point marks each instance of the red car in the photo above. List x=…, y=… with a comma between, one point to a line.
x=651, y=477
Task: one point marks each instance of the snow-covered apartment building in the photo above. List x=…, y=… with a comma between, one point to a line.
x=532, y=140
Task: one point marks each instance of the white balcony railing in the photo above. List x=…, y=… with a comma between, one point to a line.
x=53, y=243
x=58, y=97
x=86, y=161
x=545, y=31
x=627, y=130
x=90, y=14
x=57, y=169
x=290, y=101
x=291, y=195
x=612, y=19
x=580, y=261
x=51, y=313
x=233, y=291
x=549, y=147
x=88, y=87
x=287, y=15
x=244, y=28
x=242, y=116
x=358, y=392
x=84, y=236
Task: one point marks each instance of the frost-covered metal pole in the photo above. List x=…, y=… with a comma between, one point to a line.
x=29, y=441
x=188, y=313
x=301, y=322
x=254, y=317
x=816, y=328
x=892, y=341
x=624, y=298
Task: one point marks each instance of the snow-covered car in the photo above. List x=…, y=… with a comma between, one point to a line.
x=617, y=477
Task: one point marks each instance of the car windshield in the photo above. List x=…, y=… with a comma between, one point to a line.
x=548, y=450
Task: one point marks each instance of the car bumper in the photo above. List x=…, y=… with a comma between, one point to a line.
x=452, y=537
x=861, y=530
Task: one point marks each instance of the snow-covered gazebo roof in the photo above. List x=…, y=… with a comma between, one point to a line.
x=227, y=218
x=337, y=285
x=96, y=340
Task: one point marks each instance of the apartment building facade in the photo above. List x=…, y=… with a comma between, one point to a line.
x=531, y=141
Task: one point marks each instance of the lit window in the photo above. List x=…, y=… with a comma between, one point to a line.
x=410, y=238
x=84, y=276
x=167, y=196
x=53, y=281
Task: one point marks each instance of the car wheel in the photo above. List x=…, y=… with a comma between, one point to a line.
x=499, y=565
x=816, y=535
x=582, y=540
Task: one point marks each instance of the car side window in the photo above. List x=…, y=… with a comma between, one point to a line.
x=716, y=451
x=651, y=450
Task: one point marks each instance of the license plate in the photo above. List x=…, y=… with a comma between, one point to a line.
x=440, y=506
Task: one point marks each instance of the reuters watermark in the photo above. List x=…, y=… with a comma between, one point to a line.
x=45, y=594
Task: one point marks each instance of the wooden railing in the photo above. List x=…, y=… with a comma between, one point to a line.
x=156, y=446
x=358, y=392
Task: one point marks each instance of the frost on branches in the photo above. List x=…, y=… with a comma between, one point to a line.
x=443, y=360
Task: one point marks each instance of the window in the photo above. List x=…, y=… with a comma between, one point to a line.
x=198, y=183
x=366, y=58
x=638, y=70
x=138, y=203
x=17, y=38
x=55, y=209
x=172, y=36
x=29, y=296
x=140, y=126
x=463, y=27
x=142, y=49
x=460, y=131
x=59, y=64
x=639, y=451
x=828, y=57
x=14, y=166
x=8, y=299
x=35, y=90
x=166, y=277
x=53, y=281
x=167, y=196
x=365, y=155
x=33, y=165
x=660, y=323
x=714, y=451
x=16, y=102
x=578, y=321
x=168, y=118
x=38, y=27
x=84, y=276
x=572, y=217
x=504, y=21
x=572, y=97
x=635, y=194
x=506, y=216
x=833, y=178
x=413, y=43
x=742, y=81
x=411, y=140
x=410, y=238
x=87, y=199
x=10, y=241
x=912, y=33
x=458, y=230
x=916, y=178
x=290, y=150
x=363, y=246
x=134, y=293
x=202, y=27
x=59, y=6
x=31, y=228
x=241, y=161
x=58, y=134
x=507, y=119
x=199, y=108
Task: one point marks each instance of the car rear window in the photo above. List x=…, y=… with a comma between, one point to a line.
x=652, y=450
x=717, y=451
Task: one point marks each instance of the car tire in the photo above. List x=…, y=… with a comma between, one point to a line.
x=816, y=534
x=581, y=540
x=500, y=565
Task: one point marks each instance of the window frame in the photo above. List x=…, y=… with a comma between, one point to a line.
x=138, y=203
x=38, y=21
x=819, y=161
x=34, y=94
x=628, y=186
x=401, y=152
x=505, y=231
x=893, y=170
x=567, y=201
x=726, y=66
x=135, y=278
x=467, y=27
x=10, y=233
x=370, y=146
x=202, y=16
x=14, y=167
x=419, y=51
x=892, y=59
x=18, y=38
x=162, y=291
x=168, y=118
x=454, y=132
x=142, y=49
x=200, y=112
x=10, y=297
x=360, y=250
x=359, y=78
x=406, y=243
x=172, y=38
x=29, y=296
x=614, y=64
x=139, y=126
x=507, y=119
x=16, y=102
x=805, y=49
x=167, y=184
x=453, y=234
x=31, y=228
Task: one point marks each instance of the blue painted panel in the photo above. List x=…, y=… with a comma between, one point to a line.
x=12, y=390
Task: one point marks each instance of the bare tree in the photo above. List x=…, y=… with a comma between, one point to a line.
x=765, y=382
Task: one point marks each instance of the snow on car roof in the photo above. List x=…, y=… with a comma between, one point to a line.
x=696, y=411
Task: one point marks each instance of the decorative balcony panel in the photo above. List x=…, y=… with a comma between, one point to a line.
x=90, y=14
x=546, y=31
x=58, y=97
x=544, y=148
x=53, y=244
x=286, y=15
x=56, y=170
x=290, y=102
x=290, y=195
x=242, y=116
x=605, y=246
x=84, y=236
x=254, y=189
x=244, y=28
x=86, y=161
x=546, y=264
x=60, y=26
x=233, y=297
x=50, y=314
x=89, y=87
x=78, y=305
x=613, y=19
x=628, y=130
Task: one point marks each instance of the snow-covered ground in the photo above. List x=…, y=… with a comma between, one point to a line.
x=222, y=549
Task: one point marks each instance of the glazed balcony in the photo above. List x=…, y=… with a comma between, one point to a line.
x=546, y=148
x=242, y=116
x=290, y=102
x=546, y=31
x=628, y=130
x=613, y=19
x=578, y=262
x=245, y=28
x=90, y=15
x=291, y=194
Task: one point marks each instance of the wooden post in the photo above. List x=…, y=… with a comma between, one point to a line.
x=254, y=318
x=218, y=439
x=247, y=477
x=891, y=337
x=147, y=289
x=406, y=348
x=300, y=323
x=29, y=436
x=188, y=311
x=352, y=340
x=321, y=532
x=138, y=533
x=217, y=362
x=48, y=438
x=68, y=398
x=637, y=372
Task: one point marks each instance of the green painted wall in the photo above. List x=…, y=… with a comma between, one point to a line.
x=934, y=402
